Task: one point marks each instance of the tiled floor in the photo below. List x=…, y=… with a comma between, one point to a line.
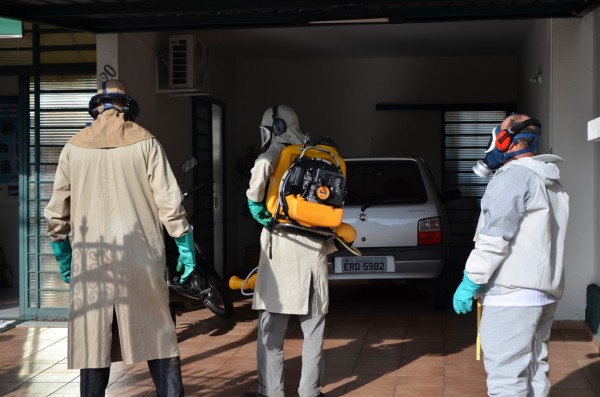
x=382, y=340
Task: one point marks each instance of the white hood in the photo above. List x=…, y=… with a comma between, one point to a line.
x=543, y=165
x=292, y=135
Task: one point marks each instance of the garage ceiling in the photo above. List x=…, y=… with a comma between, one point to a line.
x=103, y=16
x=244, y=28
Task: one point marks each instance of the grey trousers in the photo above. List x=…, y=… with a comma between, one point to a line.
x=514, y=341
x=269, y=353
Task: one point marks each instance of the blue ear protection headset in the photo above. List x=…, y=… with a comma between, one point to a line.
x=279, y=126
x=130, y=107
x=504, y=138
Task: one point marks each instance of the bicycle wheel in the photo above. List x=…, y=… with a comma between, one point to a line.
x=219, y=300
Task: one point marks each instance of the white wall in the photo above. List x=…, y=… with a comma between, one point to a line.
x=534, y=98
x=572, y=97
x=564, y=103
x=596, y=145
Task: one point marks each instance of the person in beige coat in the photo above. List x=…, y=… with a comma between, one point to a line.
x=292, y=273
x=113, y=192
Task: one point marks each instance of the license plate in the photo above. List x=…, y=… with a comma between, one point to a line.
x=364, y=264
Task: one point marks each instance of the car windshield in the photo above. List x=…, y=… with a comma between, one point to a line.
x=384, y=182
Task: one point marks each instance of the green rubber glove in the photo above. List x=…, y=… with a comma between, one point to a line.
x=62, y=252
x=260, y=213
x=187, y=255
x=463, y=297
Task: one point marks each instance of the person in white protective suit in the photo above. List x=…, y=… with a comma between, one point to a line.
x=516, y=266
x=292, y=273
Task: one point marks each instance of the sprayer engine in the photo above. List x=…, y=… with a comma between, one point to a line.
x=317, y=181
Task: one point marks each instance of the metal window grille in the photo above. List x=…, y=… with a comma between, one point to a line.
x=466, y=137
x=58, y=108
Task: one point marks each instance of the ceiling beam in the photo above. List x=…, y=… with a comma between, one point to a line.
x=590, y=6
x=193, y=14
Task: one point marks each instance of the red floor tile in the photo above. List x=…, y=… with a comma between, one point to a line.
x=373, y=347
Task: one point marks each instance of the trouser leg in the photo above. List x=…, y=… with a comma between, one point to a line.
x=313, y=327
x=507, y=335
x=539, y=383
x=269, y=353
x=93, y=381
x=166, y=374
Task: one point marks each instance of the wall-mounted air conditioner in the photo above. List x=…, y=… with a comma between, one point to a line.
x=182, y=54
x=184, y=70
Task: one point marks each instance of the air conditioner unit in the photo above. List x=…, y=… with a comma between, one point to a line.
x=187, y=63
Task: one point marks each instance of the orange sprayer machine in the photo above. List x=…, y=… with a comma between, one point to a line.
x=307, y=190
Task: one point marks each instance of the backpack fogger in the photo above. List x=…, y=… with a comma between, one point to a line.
x=307, y=190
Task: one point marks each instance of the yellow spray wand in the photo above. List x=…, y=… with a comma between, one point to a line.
x=478, y=344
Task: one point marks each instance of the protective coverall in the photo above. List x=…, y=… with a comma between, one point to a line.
x=292, y=280
x=518, y=261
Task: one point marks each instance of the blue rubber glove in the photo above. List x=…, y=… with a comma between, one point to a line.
x=187, y=255
x=463, y=297
x=62, y=252
x=260, y=213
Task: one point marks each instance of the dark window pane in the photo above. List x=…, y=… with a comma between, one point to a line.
x=389, y=182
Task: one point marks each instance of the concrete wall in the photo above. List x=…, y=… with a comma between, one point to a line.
x=572, y=107
x=595, y=80
x=564, y=102
x=592, y=315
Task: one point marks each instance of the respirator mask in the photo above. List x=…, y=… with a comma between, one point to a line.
x=278, y=126
x=500, y=142
x=266, y=136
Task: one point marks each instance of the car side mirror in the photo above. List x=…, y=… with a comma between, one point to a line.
x=189, y=165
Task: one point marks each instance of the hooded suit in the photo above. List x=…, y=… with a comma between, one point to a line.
x=518, y=262
x=292, y=278
x=288, y=261
x=522, y=228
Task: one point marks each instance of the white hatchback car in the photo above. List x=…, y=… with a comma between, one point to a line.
x=398, y=214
